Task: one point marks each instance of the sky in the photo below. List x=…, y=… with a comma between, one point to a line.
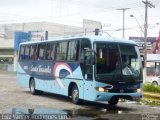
x=72, y=12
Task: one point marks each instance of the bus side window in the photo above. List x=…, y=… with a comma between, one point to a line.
x=35, y=54
x=61, y=50
x=27, y=49
x=31, y=55
x=48, y=55
x=21, y=53
x=52, y=51
x=85, y=44
x=72, y=50
x=78, y=50
x=42, y=52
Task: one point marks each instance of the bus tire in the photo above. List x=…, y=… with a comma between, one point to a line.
x=75, y=95
x=113, y=101
x=33, y=89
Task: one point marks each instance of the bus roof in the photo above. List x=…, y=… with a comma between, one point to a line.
x=92, y=38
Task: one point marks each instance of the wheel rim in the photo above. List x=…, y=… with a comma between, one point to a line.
x=75, y=95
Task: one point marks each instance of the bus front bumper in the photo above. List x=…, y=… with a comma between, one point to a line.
x=105, y=96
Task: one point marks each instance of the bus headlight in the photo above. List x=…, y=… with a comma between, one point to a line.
x=139, y=90
x=101, y=89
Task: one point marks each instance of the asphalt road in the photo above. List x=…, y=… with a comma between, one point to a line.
x=14, y=99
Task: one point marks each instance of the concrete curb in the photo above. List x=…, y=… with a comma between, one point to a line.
x=152, y=95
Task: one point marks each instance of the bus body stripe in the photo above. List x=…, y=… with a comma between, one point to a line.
x=56, y=72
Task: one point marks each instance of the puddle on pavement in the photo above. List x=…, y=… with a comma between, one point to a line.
x=51, y=114
x=93, y=111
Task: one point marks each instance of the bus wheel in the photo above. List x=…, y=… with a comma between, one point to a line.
x=75, y=95
x=33, y=89
x=113, y=101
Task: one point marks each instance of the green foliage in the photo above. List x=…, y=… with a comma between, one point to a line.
x=151, y=88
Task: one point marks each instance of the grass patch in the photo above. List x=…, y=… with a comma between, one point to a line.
x=151, y=88
x=150, y=101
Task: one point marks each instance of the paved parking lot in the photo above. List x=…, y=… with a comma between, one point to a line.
x=13, y=96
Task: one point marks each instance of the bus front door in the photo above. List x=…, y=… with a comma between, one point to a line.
x=88, y=75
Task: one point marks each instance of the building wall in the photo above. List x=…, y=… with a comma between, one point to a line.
x=6, y=43
x=7, y=31
x=89, y=26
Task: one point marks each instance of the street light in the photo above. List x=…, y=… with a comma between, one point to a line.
x=138, y=24
x=156, y=24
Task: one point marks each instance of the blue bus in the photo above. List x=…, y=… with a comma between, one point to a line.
x=92, y=68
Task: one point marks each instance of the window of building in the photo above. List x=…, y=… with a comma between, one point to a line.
x=61, y=51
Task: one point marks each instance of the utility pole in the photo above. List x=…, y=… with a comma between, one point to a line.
x=123, y=24
x=147, y=4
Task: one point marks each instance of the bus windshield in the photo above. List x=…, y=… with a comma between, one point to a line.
x=118, y=61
